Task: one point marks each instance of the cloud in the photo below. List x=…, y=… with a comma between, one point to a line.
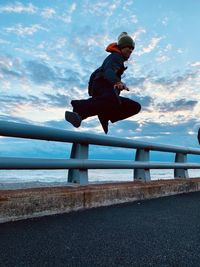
x=181, y=104
x=179, y=51
x=101, y=8
x=34, y=52
x=168, y=133
x=134, y=82
x=4, y=42
x=151, y=46
x=35, y=108
x=15, y=107
x=138, y=33
x=165, y=21
x=60, y=43
x=8, y=101
x=39, y=73
x=68, y=81
x=133, y=19
x=48, y=12
x=10, y=73
x=23, y=31
x=58, y=99
x=145, y=101
x=24, y=75
x=196, y=64
x=176, y=79
x=5, y=61
x=162, y=54
x=167, y=99
x=18, y=8
x=10, y=69
x=67, y=16
x=124, y=128
x=72, y=8
x=162, y=58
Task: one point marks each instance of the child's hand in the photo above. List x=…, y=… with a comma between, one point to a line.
x=121, y=86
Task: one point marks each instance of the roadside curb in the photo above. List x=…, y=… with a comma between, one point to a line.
x=35, y=202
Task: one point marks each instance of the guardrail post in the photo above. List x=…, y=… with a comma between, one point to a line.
x=181, y=173
x=80, y=176
x=142, y=174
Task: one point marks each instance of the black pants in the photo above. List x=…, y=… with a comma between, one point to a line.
x=107, y=104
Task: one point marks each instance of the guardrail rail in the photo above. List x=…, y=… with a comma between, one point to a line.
x=78, y=164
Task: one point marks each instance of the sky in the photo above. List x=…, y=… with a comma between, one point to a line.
x=48, y=49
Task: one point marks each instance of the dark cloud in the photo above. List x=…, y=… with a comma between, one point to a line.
x=166, y=133
x=11, y=101
x=8, y=103
x=9, y=68
x=145, y=101
x=134, y=81
x=59, y=100
x=71, y=75
x=10, y=73
x=154, y=128
x=125, y=125
x=122, y=129
x=175, y=79
x=13, y=118
x=39, y=72
x=62, y=124
x=181, y=104
x=34, y=148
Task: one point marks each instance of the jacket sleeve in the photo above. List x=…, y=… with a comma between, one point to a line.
x=111, y=66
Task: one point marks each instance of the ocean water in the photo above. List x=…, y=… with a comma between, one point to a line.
x=10, y=179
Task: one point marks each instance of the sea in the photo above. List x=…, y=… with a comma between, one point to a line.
x=15, y=179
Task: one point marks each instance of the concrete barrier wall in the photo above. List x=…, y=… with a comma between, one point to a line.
x=28, y=203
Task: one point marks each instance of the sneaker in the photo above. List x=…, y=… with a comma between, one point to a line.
x=74, y=118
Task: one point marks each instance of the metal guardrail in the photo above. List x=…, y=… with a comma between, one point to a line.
x=78, y=164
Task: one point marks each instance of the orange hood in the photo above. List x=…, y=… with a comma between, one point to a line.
x=113, y=47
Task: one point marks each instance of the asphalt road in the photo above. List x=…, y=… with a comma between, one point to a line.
x=159, y=232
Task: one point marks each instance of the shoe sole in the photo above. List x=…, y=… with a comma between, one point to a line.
x=73, y=118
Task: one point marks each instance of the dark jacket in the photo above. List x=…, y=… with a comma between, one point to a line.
x=110, y=71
